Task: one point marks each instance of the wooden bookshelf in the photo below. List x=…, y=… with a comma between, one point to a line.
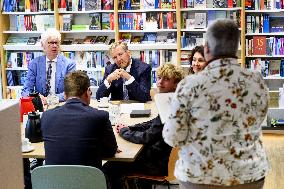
x=5, y=33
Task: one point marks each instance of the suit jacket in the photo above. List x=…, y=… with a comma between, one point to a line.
x=76, y=133
x=36, y=77
x=154, y=156
x=138, y=90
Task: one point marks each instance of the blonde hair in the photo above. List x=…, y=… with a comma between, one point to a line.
x=170, y=71
x=117, y=44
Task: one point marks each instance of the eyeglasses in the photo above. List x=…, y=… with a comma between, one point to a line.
x=53, y=43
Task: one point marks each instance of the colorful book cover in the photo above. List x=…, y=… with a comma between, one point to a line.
x=106, y=21
x=220, y=3
x=95, y=21
x=199, y=3
x=93, y=5
x=107, y=4
x=259, y=45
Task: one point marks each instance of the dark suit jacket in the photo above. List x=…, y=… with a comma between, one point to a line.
x=138, y=90
x=36, y=78
x=154, y=156
x=76, y=133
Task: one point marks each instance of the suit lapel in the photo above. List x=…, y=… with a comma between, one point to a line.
x=42, y=71
x=58, y=72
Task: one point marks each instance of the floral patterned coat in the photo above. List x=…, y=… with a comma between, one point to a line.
x=215, y=120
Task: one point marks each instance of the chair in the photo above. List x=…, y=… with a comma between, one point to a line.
x=68, y=177
x=160, y=179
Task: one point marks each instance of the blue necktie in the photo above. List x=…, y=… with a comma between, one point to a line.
x=48, y=77
x=10, y=80
x=125, y=91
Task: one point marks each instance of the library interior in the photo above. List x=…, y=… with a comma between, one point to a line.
x=106, y=40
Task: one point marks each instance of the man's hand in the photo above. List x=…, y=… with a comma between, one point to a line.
x=119, y=126
x=43, y=99
x=124, y=74
x=113, y=76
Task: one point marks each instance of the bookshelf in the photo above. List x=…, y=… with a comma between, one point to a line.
x=80, y=18
x=263, y=37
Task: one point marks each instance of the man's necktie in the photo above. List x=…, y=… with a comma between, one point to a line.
x=48, y=77
x=125, y=91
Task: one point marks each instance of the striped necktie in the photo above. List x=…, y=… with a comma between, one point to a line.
x=48, y=77
x=125, y=91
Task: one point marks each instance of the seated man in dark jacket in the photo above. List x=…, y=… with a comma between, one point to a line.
x=75, y=133
x=153, y=160
x=127, y=79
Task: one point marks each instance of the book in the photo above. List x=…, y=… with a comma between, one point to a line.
x=220, y=3
x=95, y=21
x=93, y=5
x=200, y=20
x=199, y=3
x=101, y=39
x=107, y=4
x=259, y=45
x=274, y=67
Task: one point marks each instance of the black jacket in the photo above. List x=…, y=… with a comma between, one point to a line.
x=76, y=133
x=138, y=90
x=156, y=152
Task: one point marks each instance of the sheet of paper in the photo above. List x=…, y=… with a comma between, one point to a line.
x=163, y=103
x=127, y=108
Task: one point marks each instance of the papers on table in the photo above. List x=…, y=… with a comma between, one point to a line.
x=127, y=108
x=163, y=103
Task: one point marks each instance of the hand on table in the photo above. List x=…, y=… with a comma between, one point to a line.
x=119, y=126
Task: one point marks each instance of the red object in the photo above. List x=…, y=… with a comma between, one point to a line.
x=259, y=45
x=26, y=106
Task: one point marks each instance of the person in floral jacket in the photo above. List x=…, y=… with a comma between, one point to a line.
x=216, y=116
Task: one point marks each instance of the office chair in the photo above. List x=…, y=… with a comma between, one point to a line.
x=68, y=177
x=165, y=180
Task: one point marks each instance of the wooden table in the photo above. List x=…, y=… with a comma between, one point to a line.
x=129, y=150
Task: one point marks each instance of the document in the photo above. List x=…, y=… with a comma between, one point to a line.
x=163, y=104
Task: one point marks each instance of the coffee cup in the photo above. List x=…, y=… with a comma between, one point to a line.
x=26, y=144
x=103, y=102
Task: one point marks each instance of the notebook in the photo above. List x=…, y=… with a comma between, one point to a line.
x=163, y=104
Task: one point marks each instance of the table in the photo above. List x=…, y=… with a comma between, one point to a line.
x=129, y=150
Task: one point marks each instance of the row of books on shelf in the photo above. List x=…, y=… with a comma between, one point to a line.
x=85, y=5
x=147, y=21
x=210, y=3
x=201, y=20
x=150, y=37
x=264, y=23
x=20, y=59
x=27, y=5
x=262, y=45
x=31, y=22
x=146, y=4
x=264, y=4
x=97, y=21
x=267, y=67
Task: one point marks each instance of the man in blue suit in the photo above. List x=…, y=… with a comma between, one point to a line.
x=46, y=73
x=127, y=79
x=75, y=133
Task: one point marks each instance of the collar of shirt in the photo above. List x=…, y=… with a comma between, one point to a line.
x=54, y=60
x=129, y=66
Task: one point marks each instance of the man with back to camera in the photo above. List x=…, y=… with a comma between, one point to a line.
x=46, y=73
x=153, y=159
x=75, y=133
x=127, y=79
x=216, y=117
